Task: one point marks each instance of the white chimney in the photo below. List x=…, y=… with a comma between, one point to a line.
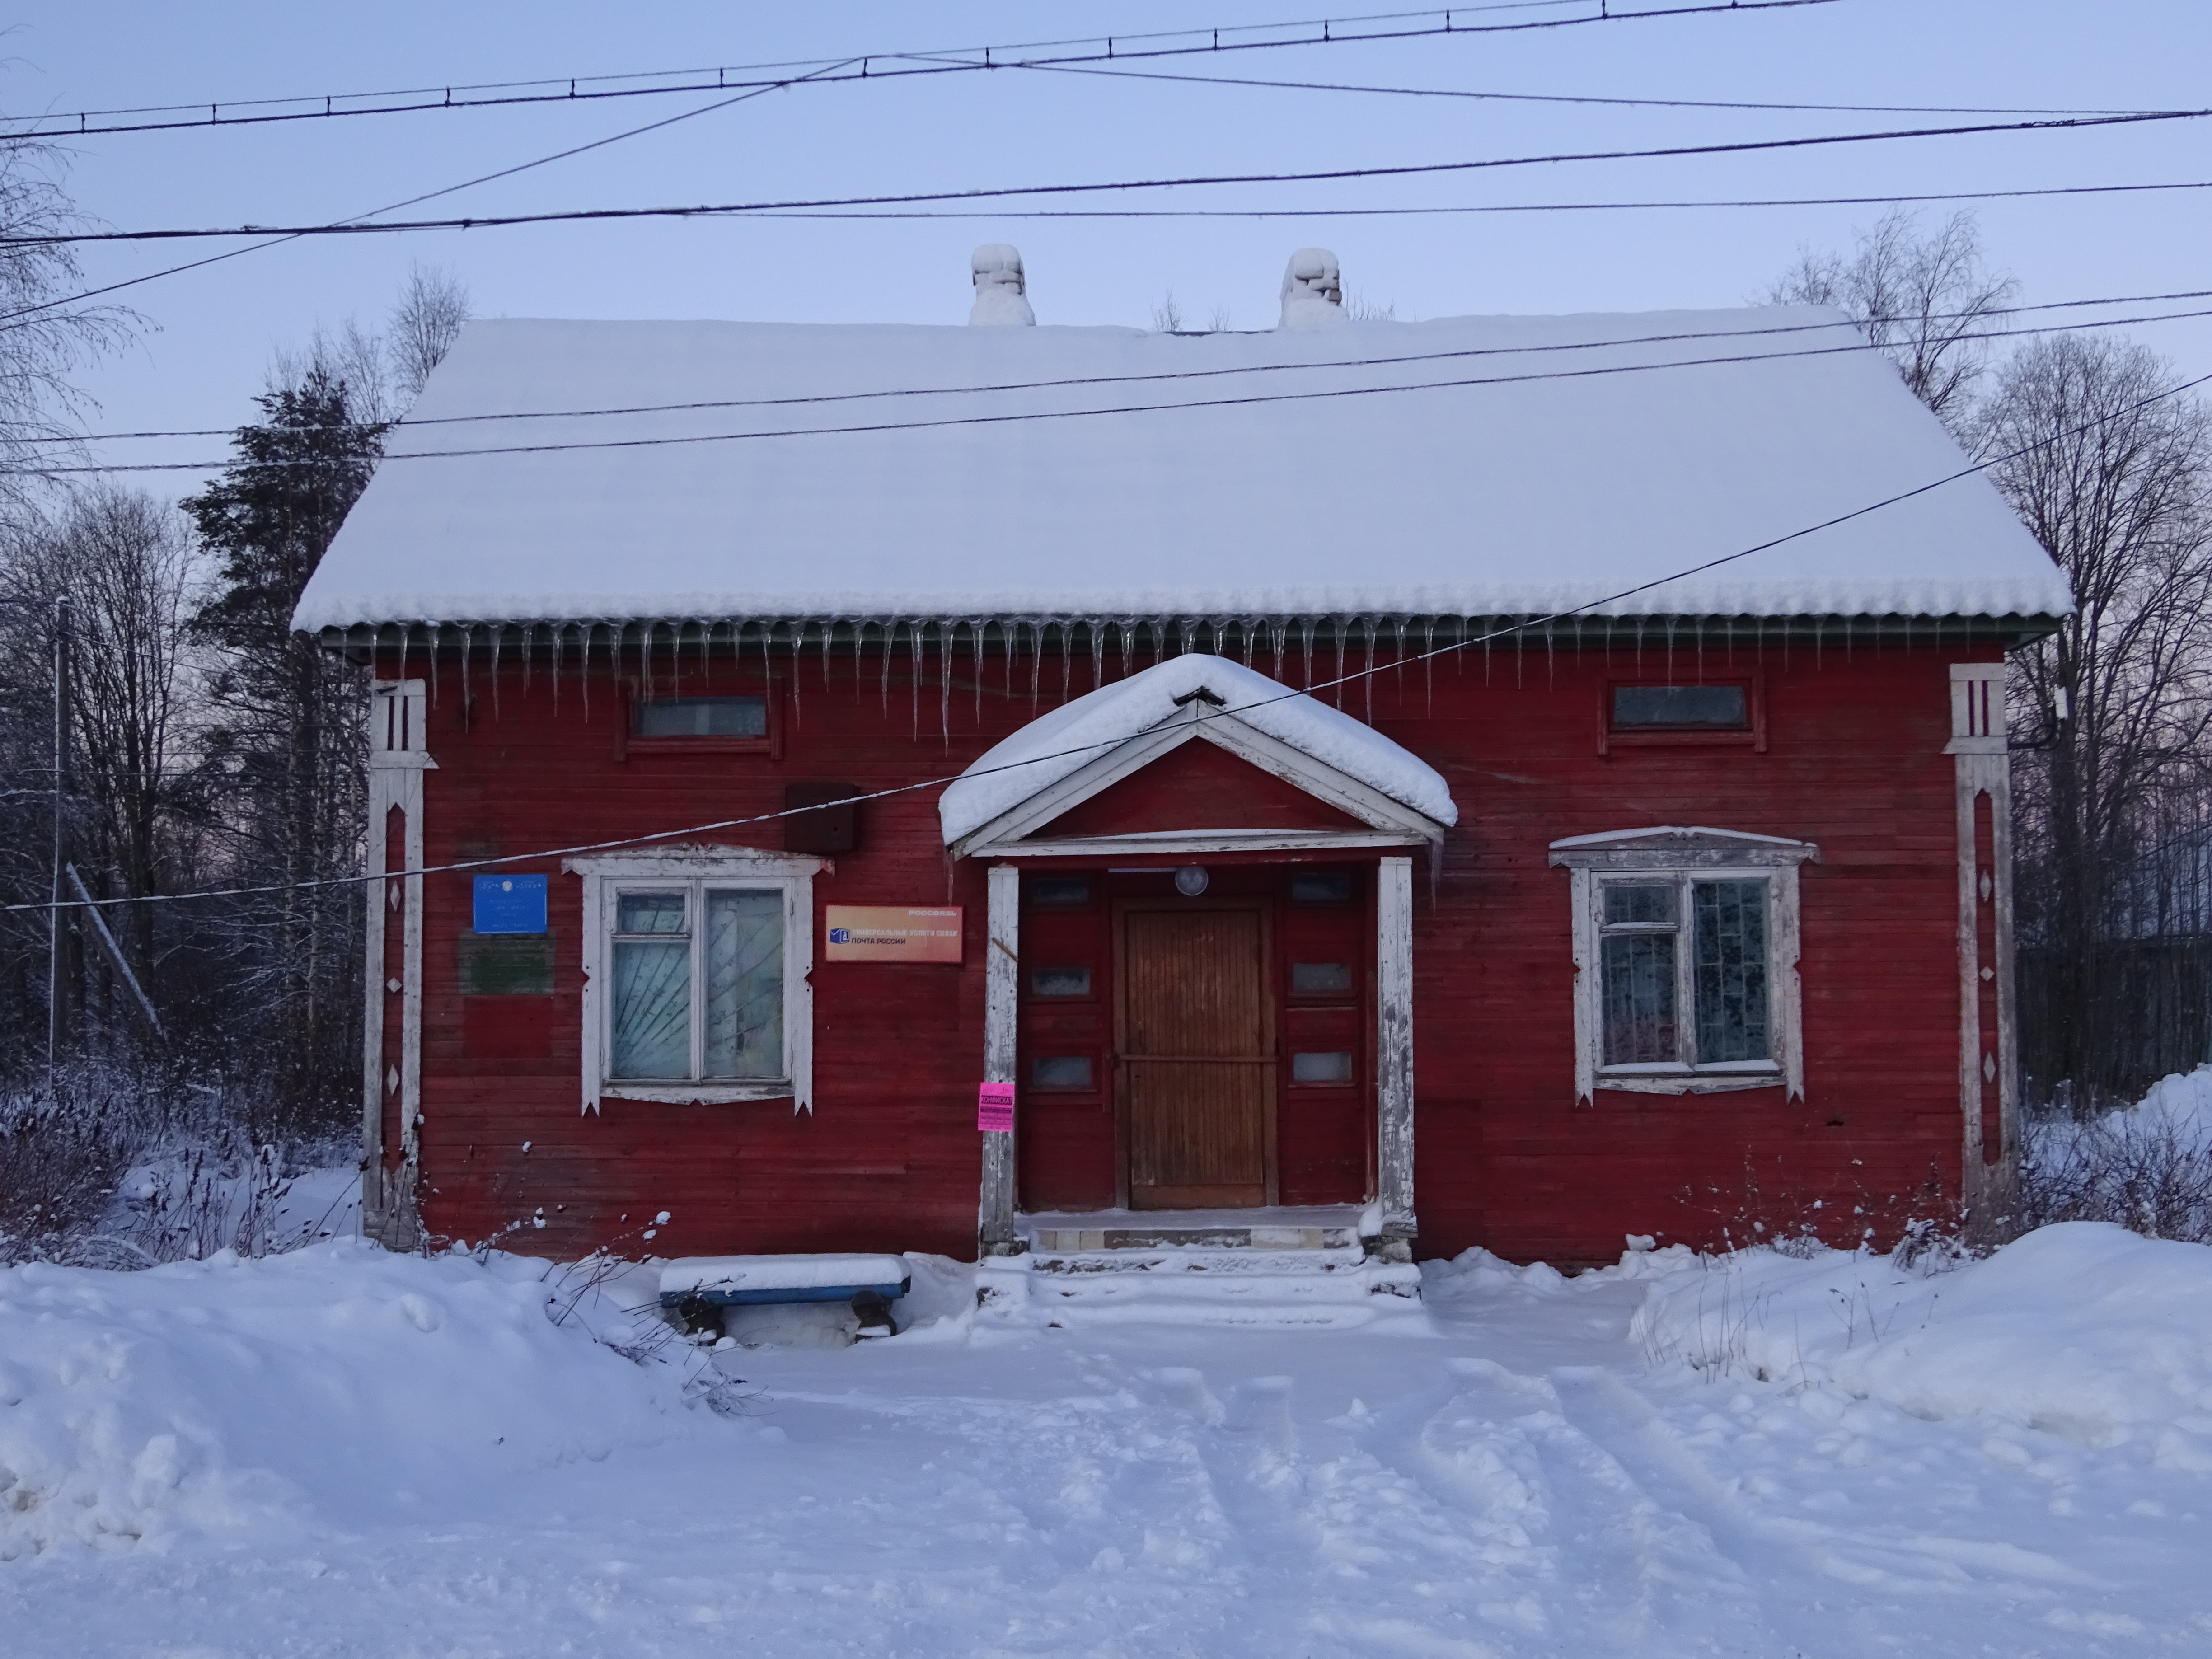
x=1313, y=291
x=1000, y=290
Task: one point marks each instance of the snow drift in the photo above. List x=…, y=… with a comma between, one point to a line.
x=2083, y=1330
x=338, y=1383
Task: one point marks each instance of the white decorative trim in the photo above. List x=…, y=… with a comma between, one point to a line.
x=604, y=873
x=1002, y=975
x=1149, y=841
x=1394, y=1047
x=1978, y=709
x=396, y=762
x=1716, y=855
x=1401, y=825
x=1982, y=766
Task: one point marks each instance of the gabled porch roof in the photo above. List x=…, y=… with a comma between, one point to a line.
x=1388, y=796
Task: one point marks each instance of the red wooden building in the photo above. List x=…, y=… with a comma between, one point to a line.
x=1336, y=771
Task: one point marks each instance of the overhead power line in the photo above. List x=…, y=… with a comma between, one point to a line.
x=359, y=227
x=279, y=238
x=202, y=113
x=1686, y=204
x=1026, y=416
x=1525, y=624
x=1397, y=360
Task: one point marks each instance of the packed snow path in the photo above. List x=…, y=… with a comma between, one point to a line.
x=1525, y=1468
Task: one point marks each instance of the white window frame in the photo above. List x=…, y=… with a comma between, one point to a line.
x=1681, y=856
x=698, y=869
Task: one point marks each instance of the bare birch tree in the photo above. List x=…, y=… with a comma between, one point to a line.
x=2110, y=473
x=1925, y=302
x=432, y=311
x=45, y=332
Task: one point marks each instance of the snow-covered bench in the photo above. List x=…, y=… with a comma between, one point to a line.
x=870, y=1283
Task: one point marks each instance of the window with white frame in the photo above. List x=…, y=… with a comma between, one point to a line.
x=1685, y=957
x=695, y=987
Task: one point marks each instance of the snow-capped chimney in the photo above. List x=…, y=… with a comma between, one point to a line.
x=1000, y=290
x=1313, y=291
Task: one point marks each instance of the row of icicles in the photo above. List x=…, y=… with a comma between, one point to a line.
x=1128, y=640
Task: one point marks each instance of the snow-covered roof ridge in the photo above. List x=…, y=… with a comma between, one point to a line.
x=1472, y=466
x=1058, y=744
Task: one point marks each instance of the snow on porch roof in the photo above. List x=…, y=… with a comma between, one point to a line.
x=1056, y=745
x=1511, y=498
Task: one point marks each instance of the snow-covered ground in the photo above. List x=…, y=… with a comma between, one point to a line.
x=341, y=1452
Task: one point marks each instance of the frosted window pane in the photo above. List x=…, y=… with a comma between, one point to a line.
x=653, y=1009
x=744, y=984
x=703, y=717
x=1309, y=979
x=1321, y=1068
x=649, y=913
x=1060, y=981
x=1717, y=708
x=1061, y=1071
x=1729, y=922
x=1637, y=984
x=1628, y=904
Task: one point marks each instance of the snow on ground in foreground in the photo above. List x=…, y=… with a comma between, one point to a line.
x=339, y=1452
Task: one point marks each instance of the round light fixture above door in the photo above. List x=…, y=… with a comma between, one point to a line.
x=1191, y=880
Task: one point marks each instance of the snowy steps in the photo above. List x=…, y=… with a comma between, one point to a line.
x=1274, y=1270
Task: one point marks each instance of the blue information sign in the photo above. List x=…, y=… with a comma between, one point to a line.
x=510, y=904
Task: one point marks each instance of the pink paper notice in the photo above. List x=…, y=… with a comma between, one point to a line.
x=994, y=1107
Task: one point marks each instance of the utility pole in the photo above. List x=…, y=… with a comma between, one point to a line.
x=64, y=959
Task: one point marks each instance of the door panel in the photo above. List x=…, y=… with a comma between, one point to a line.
x=1197, y=1055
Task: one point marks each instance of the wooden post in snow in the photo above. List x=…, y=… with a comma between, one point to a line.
x=1394, y=1055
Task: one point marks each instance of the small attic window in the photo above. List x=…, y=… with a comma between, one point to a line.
x=700, y=717
x=1726, y=712
x=736, y=724
x=1681, y=707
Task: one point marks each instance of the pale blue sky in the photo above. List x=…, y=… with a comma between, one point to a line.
x=215, y=330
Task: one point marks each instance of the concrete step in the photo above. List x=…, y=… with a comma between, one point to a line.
x=1252, y=1288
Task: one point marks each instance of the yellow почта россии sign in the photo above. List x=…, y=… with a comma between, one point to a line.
x=889, y=932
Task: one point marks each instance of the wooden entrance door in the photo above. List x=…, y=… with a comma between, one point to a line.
x=1196, y=1062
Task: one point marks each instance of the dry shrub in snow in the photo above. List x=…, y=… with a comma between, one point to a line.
x=2148, y=1167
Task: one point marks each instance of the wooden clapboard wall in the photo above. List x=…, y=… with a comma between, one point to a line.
x=1852, y=758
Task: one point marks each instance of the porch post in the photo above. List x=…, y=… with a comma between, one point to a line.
x=1002, y=975
x=1394, y=1055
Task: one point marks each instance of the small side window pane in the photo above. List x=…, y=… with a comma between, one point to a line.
x=1626, y=905
x=1321, y=1068
x=744, y=984
x=1321, y=887
x=1309, y=979
x=649, y=913
x=1060, y=1072
x=1059, y=892
x=1728, y=935
x=1690, y=708
x=703, y=717
x=1636, y=986
x=1060, y=981
x=652, y=1008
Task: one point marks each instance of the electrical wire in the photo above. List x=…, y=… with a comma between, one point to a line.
x=279, y=238
x=943, y=60
x=1523, y=625
x=1027, y=415
x=1554, y=97
x=997, y=213
x=1396, y=361
x=1186, y=182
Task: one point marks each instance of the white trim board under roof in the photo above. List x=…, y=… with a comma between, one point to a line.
x=1064, y=757
x=1390, y=493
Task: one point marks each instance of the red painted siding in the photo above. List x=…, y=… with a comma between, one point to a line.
x=1506, y=1158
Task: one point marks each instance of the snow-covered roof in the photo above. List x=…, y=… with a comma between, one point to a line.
x=1056, y=745
x=1276, y=483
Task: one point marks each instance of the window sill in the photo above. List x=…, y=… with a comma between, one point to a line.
x=698, y=1094
x=1690, y=1082
x=699, y=746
